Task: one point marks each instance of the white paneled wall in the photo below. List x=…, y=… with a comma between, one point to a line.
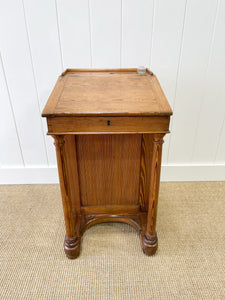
x=181, y=41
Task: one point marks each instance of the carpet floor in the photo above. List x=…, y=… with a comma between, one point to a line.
x=189, y=263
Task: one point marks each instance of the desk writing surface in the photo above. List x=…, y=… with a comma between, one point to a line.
x=98, y=93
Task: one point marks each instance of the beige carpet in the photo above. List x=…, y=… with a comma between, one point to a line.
x=189, y=263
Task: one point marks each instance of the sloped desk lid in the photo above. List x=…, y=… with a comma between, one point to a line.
x=120, y=92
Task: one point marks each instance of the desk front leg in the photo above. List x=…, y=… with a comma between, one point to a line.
x=149, y=235
x=69, y=186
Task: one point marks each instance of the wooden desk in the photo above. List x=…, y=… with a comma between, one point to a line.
x=108, y=127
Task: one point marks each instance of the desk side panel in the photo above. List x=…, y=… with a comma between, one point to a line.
x=109, y=169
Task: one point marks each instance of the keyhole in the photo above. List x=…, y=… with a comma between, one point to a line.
x=108, y=122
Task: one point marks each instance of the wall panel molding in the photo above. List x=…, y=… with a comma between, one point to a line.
x=19, y=76
x=182, y=41
x=12, y=154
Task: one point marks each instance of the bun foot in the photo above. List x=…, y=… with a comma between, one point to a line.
x=149, y=244
x=72, y=247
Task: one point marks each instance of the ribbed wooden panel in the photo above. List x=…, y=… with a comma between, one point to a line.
x=112, y=164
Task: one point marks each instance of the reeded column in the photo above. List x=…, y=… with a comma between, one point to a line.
x=149, y=236
x=69, y=186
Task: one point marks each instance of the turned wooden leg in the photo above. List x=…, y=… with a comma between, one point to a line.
x=149, y=235
x=69, y=185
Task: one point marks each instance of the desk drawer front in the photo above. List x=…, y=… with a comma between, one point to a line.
x=107, y=124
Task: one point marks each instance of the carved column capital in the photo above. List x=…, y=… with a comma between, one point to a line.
x=59, y=140
x=158, y=138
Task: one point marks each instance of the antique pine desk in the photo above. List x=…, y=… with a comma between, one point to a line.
x=108, y=127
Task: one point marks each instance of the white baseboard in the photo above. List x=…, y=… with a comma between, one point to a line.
x=29, y=175
x=48, y=175
x=177, y=172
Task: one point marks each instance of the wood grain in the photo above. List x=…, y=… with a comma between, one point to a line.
x=149, y=235
x=69, y=182
x=146, y=161
x=108, y=209
x=109, y=157
x=107, y=93
x=136, y=220
x=154, y=183
x=109, y=166
x=80, y=125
